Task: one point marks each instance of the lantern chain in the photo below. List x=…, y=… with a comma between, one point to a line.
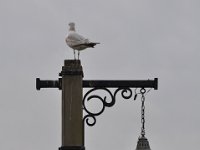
x=143, y=91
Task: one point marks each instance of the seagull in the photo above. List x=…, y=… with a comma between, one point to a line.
x=76, y=41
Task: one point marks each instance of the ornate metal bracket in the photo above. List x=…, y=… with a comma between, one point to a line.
x=126, y=93
x=123, y=86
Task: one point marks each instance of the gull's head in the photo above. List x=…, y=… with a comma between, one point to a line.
x=72, y=26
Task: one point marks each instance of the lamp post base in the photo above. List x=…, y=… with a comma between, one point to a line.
x=72, y=148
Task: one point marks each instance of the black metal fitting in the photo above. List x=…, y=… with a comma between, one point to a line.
x=48, y=83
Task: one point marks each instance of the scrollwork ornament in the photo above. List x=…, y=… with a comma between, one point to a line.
x=90, y=117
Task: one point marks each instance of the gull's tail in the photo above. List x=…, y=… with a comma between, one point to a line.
x=92, y=44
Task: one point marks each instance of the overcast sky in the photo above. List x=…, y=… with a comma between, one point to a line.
x=140, y=39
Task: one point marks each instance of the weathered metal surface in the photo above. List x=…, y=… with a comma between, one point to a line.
x=121, y=83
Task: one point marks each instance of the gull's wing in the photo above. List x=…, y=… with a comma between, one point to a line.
x=76, y=39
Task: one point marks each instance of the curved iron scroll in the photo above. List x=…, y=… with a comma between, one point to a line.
x=90, y=117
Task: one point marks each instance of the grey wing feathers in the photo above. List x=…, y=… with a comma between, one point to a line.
x=90, y=44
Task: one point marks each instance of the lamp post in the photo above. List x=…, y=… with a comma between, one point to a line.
x=73, y=101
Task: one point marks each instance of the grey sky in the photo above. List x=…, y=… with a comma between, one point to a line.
x=140, y=39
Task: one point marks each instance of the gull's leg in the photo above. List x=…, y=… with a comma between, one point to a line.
x=74, y=54
x=78, y=54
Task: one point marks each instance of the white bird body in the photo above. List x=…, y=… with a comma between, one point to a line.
x=76, y=41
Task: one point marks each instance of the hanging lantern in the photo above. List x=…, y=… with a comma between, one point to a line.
x=142, y=143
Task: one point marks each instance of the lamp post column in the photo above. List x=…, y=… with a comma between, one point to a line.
x=72, y=112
